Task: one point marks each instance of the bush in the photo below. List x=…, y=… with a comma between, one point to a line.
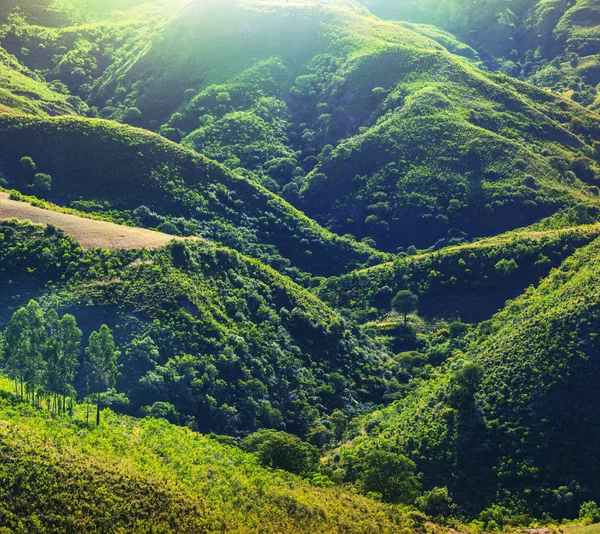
x=436, y=502
x=223, y=98
x=389, y=474
x=168, y=228
x=280, y=450
x=42, y=183
x=589, y=510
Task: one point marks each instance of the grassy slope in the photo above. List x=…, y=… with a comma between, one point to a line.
x=238, y=345
x=530, y=434
x=130, y=167
x=129, y=475
x=22, y=91
x=89, y=233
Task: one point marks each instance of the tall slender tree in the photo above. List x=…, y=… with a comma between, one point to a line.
x=69, y=341
x=38, y=336
x=26, y=338
x=102, y=356
x=52, y=358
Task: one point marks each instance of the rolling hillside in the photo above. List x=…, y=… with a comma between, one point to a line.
x=468, y=282
x=363, y=249
x=555, y=44
x=518, y=407
x=60, y=475
x=374, y=129
x=103, y=162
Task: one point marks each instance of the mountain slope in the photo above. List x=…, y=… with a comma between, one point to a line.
x=371, y=127
x=515, y=420
x=541, y=41
x=59, y=475
x=100, y=161
x=402, y=141
x=230, y=343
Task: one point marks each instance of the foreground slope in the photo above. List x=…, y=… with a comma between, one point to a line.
x=60, y=475
x=515, y=419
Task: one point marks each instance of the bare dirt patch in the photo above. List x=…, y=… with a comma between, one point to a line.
x=89, y=233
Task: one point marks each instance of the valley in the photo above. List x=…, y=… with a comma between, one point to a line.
x=306, y=266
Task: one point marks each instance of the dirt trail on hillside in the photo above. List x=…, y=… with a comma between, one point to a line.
x=89, y=233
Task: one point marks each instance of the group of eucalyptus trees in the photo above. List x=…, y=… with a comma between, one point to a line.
x=42, y=353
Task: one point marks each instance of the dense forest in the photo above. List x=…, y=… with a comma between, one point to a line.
x=374, y=307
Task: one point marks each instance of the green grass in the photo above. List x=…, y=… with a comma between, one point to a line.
x=58, y=474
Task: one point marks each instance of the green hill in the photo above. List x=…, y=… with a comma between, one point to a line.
x=513, y=419
x=368, y=192
x=23, y=91
x=541, y=41
x=60, y=475
x=230, y=343
x=99, y=165
x=372, y=128
x=469, y=282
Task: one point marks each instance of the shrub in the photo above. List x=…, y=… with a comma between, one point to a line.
x=389, y=474
x=436, y=502
x=223, y=98
x=42, y=183
x=589, y=510
x=168, y=228
x=280, y=450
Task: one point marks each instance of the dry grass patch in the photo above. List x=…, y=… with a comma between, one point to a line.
x=89, y=233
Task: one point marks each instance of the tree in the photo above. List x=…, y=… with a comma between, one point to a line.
x=280, y=450
x=506, y=267
x=42, y=183
x=25, y=344
x=390, y=474
x=52, y=375
x=69, y=341
x=464, y=382
x=102, y=356
x=27, y=164
x=339, y=422
x=405, y=302
x=589, y=510
x=223, y=98
x=132, y=114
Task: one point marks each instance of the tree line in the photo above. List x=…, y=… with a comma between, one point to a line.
x=41, y=353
